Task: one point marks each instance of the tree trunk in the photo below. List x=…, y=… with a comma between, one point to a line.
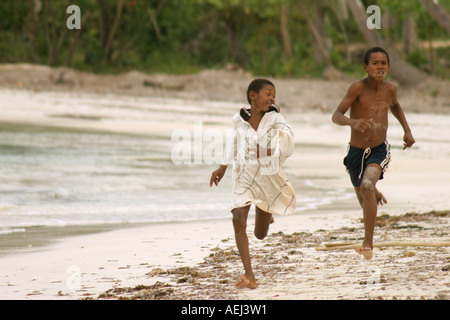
x=438, y=13
x=340, y=10
x=54, y=41
x=406, y=74
x=153, y=19
x=322, y=54
x=104, y=21
x=154, y=22
x=319, y=21
x=112, y=32
x=47, y=19
x=36, y=7
x=410, y=34
x=287, y=47
x=237, y=51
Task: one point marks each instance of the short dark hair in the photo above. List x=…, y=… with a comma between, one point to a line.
x=373, y=50
x=257, y=85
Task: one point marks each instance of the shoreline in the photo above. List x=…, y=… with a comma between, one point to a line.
x=32, y=239
x=39, y=238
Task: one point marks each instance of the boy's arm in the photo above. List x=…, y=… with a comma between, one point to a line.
x=339, y=116
x=397, y=111
x=283, y=141
x=228, y=157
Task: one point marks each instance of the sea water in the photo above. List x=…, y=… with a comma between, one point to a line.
x=68, y=159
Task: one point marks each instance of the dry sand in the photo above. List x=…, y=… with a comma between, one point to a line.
x=200, y=261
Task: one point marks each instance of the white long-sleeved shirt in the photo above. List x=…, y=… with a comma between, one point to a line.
x=261, y=181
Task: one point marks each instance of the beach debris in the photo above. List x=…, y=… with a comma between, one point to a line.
x=397, y=222
x=140, y=292
x=330, y=246
x=291, y=262
x=409, y=254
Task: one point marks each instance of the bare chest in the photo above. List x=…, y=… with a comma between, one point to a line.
x=374, y=104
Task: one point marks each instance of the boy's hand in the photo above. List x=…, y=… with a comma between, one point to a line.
x=217, y=175
x=408, y=140
x=363, y=125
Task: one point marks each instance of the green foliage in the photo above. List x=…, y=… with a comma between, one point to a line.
x=184, y=36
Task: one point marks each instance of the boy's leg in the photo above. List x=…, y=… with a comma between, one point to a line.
x=359, y=196
x=370, y=198
x=240, y=231
x=263, y=220
x=380, y=197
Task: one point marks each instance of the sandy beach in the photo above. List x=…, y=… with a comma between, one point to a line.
x=198, y=260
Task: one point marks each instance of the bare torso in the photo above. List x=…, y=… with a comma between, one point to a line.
x=371, y=104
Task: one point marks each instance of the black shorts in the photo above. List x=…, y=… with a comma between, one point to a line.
x=358, y=159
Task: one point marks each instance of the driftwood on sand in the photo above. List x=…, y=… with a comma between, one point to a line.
x=352, y=245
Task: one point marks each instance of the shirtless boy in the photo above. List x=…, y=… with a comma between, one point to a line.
x=369, y=101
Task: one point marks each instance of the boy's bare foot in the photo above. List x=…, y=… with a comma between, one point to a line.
x=367, y=252
x=246, y=283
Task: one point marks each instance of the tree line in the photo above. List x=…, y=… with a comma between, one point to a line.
x=284, y=38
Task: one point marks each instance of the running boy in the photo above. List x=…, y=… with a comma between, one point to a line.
x=369, y=101
x=262, y=142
